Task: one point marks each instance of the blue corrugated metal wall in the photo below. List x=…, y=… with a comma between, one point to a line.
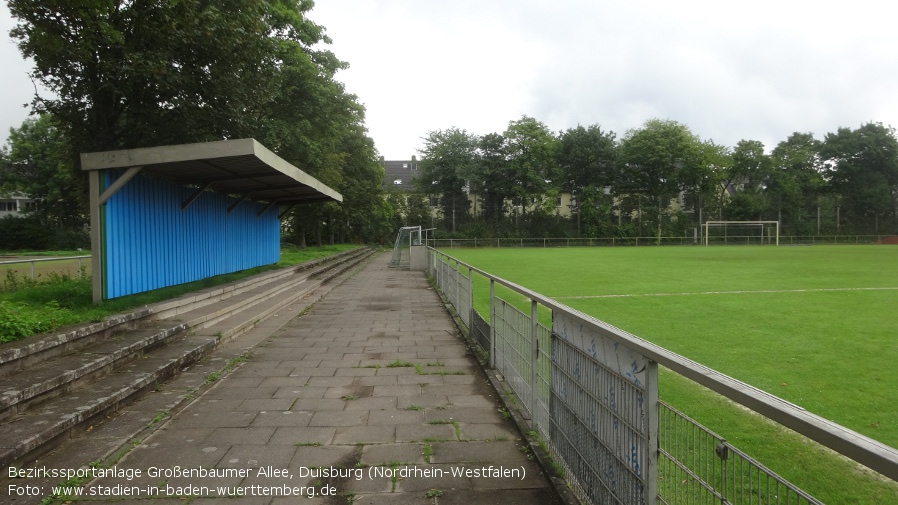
x=151, y=243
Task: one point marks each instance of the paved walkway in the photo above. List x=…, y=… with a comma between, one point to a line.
x=370, y=398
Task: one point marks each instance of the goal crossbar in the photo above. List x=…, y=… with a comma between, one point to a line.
x=761, y=224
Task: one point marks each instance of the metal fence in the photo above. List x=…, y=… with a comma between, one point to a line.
x=449, y=243
x=32, y=262
x=699, y=466
x=591, y=391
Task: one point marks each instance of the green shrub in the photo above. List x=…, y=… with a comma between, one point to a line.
x=18, y=320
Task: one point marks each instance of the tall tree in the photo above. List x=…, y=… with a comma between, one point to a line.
x=37, y=162
x=863, y=167
x=587, y=158
x=658, y=160
x=530, y=147
x=796, y=178
x=447, y=164
x=136, y=74
x=748, y=177
x=363, y=215
x=492, y=176
x=718, y=159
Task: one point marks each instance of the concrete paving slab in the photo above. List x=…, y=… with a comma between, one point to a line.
x=319, y=394
x=425, y=432
x=356, y=435
x=302, y=435
x=280, y=418
x=386, y=454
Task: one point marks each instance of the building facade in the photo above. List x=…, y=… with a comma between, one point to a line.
x=15, y=204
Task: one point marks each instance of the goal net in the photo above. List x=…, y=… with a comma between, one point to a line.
x=405, y=239
x=742, y=232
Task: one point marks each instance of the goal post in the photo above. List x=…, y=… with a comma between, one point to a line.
x=405, y=239
x=766, y=231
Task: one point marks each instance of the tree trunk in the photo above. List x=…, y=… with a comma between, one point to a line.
x=330, y=228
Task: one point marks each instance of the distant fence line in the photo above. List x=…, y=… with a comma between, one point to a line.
x=591, y=392
x=650, y=241
x=80, y=259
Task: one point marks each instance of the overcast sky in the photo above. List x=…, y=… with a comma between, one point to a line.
x=759, y=71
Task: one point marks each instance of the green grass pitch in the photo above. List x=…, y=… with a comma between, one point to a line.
x=813, y=325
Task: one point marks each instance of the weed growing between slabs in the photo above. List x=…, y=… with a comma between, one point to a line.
x=813, y=325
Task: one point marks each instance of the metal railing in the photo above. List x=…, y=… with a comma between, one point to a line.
x=450, y=243
x=41, y=260
x=699, y=466
x=591, y=391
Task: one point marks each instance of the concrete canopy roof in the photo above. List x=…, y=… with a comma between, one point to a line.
x=237, y=167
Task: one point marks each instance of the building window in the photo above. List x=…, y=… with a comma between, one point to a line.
x=558, y=202
x=8, y=207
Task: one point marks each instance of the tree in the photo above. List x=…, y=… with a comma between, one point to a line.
x=530, y=148
x=863, y=166
x=587, y=158
x=658, y=161
x=447, y=164
x=748, y=177
x=37, y=162
x=137, y=74
x=796, y=178
x=492, y=176
x=718, y=160
x=363, y=215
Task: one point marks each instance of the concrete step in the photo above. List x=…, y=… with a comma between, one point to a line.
x=22, y=354
x=37, y=429
x=57, y=375
x=44, y=402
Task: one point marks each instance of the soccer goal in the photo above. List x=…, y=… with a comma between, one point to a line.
x=405, y=239
x=742, y=232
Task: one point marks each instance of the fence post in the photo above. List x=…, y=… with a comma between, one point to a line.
x=457, y=301
x=653, y=415
x=493, y=345
x=32, y=270
x=471, y=304
x=534, y=355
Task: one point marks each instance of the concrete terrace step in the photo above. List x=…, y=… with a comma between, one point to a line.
x=198, y=299
x=241, y=321
x=44, y=401
x=251, y=295
x=26, y=435
x=60, y=374
x=22, y=354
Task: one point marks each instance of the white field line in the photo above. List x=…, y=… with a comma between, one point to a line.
x=817, y=290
